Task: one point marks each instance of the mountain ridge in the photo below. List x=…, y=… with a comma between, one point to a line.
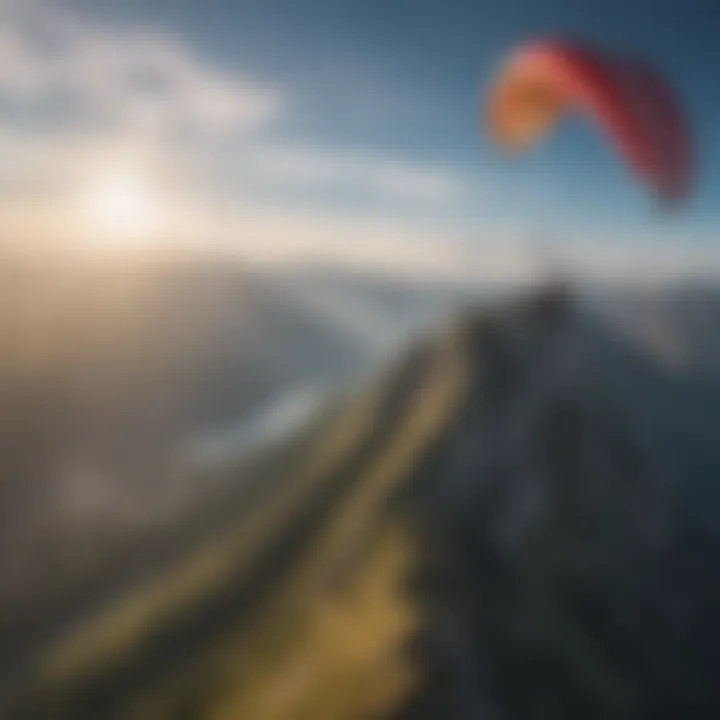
x=482, y=531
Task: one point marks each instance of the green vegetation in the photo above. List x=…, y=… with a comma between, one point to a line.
x=298, y=611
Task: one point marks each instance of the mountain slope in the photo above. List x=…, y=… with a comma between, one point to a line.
x=493, y=528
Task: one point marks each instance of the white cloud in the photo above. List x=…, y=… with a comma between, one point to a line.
x=144, y=95
x=370, y=173
x=132, y=91
x=132, y=76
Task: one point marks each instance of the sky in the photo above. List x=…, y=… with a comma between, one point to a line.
x=344, y=130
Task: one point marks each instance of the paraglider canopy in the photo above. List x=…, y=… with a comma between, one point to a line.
x=627, y=98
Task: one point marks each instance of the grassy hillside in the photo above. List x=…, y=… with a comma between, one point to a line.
x=295, y=610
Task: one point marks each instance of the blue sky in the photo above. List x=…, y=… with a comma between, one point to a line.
x=379, y=111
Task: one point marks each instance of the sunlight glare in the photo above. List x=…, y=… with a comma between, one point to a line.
x=123, y=208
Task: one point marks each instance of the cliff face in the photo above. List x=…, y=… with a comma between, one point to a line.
x=511, y=522
x=549, y=592
x=569, y=526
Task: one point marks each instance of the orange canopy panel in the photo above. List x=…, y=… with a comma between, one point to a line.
x=627, y=98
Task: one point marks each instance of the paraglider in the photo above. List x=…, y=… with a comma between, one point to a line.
x=627, y=98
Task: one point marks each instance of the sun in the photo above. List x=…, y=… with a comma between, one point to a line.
x=123, y=207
